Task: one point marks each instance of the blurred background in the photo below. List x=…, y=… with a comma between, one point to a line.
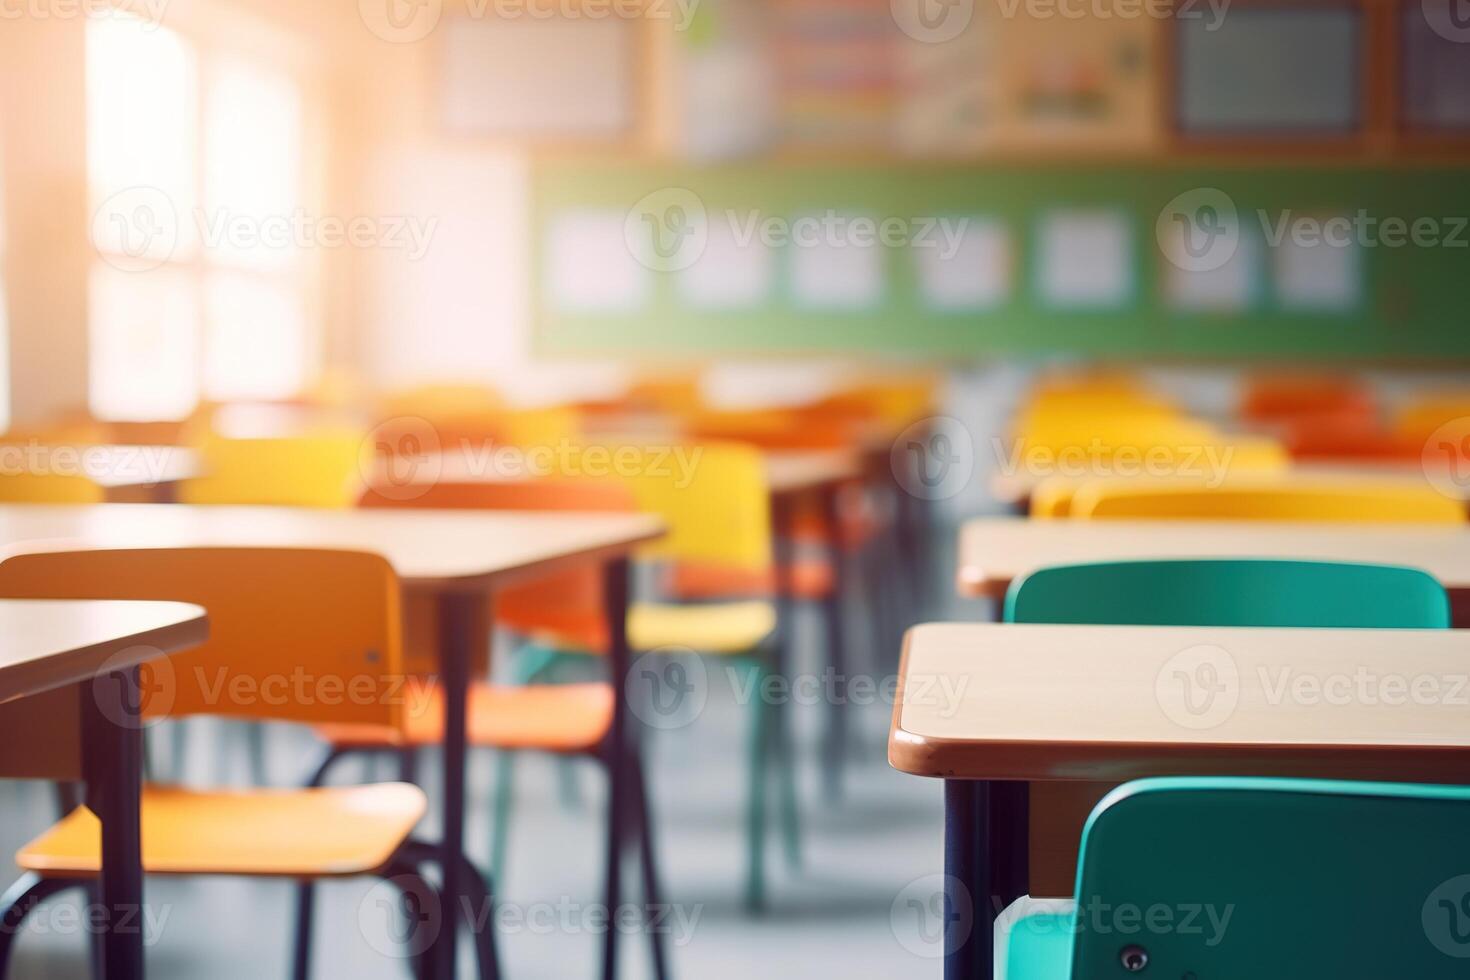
x=236, y=219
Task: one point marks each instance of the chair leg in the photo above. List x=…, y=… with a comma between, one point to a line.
x=178, y=735
x=652, y=895
x=755, y=829
x=408, y=765
x=28, y=891
x=500, y=815
x=306, y=889
x=569, y=788
x=405, y=875
x=783, y=744
x=255, y=745
x=835, y=744
x=617, y=811
x=479, y=915
x=305, y=920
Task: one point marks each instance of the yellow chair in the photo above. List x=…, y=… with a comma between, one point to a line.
x=1228, y=461
x=295, y=635
x=322, y=469
x=1391, y=503
x=717, y=513
x=49, y=488
x=435, y=402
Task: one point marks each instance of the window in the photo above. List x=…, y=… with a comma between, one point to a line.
x=195, y=159
x=4, y=315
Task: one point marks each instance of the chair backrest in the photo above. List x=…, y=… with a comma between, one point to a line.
x=294, y=634
x=1230, y=592
x=1279, y=397
x=713, y=498
x=1275, y=878
x=1365, y=502
x=49, y=488
x=316, y=470
x=566, y=605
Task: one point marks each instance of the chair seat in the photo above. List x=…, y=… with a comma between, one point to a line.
x=298, y=833
x=1033, y=940
x=563, y=718
x=724, y=627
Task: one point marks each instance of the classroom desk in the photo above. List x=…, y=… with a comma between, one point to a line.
x=991, y=707
x=1014, y=490
x=72, y=668
x=995, y=550
x=460, y=558
x=126, y=474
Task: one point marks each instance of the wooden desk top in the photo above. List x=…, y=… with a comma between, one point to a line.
x=787, y=472
x=110, y=467
x=995, y=550
x=50, y=644
x=798, y=471
x=992, y=701
x=443, y=550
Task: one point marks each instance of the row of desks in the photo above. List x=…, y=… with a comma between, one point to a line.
x=459, y=558
x=1029, y=725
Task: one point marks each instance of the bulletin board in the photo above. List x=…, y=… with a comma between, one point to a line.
x=1056, y=258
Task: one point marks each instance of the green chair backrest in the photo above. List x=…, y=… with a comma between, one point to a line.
x=1275, y=879
x=1231, y=593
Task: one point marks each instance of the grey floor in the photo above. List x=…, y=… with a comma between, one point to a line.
x=858, y=906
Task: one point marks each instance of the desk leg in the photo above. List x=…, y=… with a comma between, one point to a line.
x=985, y=866
x=460, y=618
x=833, y=608
x=112, y=747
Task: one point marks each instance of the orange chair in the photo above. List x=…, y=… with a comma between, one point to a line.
x=1337, y=437
x=290, y=631
x=565, y=610
x=1278, y=398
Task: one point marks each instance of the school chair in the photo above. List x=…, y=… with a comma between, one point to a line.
x=1254, y=877
x=1277, y=398
x=1230, y=592
x=438, y=401
x=316, y=469
x=276, y=617
x=563, y=616
x=1253, y=461
x=49, y=488
x=1328, y=438
x=719, y=515
x=1387, y=503
x=1442, y=411
x=1208, y=592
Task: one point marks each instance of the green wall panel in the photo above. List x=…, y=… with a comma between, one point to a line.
x=1413, y=297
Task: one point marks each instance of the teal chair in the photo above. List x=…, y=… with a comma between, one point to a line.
x=1232, y=592
x=1271, y=879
